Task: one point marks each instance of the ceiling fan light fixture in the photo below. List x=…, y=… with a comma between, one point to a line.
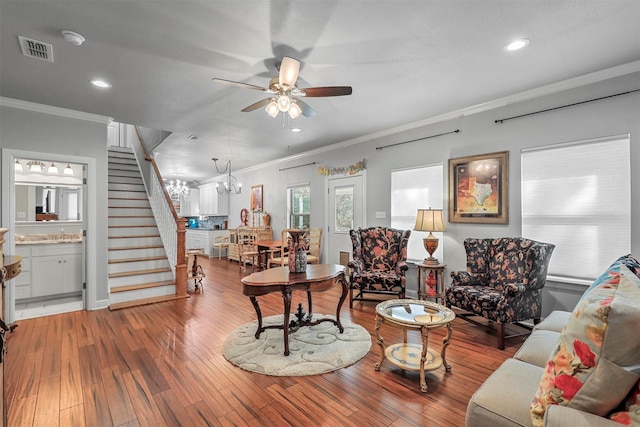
x=272, y=109
x=284, y=103
x=294, y=110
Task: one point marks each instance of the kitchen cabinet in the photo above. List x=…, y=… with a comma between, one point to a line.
x=22, y=283
x=212, y=203
x=202, y=239
x=190, y=205
x=56, y=269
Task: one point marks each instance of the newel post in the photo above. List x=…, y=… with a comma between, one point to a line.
x=181, y=261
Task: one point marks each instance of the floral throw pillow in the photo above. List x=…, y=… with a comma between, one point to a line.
x=629, y=412
x=587, y=370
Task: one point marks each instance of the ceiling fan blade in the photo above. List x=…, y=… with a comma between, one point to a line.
x=240, y=84
x=326, y=91
x=307, y=111
x=289, y=70
x=256, y=105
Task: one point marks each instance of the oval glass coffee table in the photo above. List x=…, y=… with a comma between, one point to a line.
x=418, y=315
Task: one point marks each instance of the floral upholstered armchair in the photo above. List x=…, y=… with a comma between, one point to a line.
x=379, y=262
x=503, y=282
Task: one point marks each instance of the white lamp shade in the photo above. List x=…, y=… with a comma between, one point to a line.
x=429, y=220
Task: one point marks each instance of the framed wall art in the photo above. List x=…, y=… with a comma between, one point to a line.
x=478, y=189
x=256, y=198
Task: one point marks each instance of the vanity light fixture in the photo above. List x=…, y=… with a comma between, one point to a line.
x=68, y=170
x=35, y=166
x=18, y=165
x=52, y=169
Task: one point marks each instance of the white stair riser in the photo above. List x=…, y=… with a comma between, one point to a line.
x=123, y=165
x=129, y=211
x=117, y=194
x=123, y=173
x=114, y=282
x=136, y=253
x=138, y=203
x=133, y=231
x=141, y=294
x=126, y=187
x=126, y=180
x=122, y=267
x=136, y=241
x=133, y=221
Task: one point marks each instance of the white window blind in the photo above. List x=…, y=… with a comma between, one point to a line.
x=413, y=189
x=578, y=197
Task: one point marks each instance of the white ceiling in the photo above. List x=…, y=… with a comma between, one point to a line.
x=406, y=60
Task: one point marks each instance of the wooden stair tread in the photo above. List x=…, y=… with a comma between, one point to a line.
x=130, y=207
x=148, y=258
x=145, y=301
x=126, y=288
x=133, y=226
x=130, y=216
x=138, y=272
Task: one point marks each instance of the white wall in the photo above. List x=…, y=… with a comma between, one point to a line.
x=479, y=134
x=62, y=132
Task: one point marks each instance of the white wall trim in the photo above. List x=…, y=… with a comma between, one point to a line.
x=48, y=109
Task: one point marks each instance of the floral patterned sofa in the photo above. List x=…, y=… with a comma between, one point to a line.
x=575, y=369
x=379, y=262
x=503, y=281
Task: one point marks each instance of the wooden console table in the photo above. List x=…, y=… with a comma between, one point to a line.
x=318, y=277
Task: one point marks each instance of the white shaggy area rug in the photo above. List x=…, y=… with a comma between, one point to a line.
x=312, y=349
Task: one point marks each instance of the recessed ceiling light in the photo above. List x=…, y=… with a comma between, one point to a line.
x=516, y=45
x=101, y=83
x=296, y=130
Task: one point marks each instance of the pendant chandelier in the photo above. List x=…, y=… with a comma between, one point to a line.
x=229, y=184
x=178, y=189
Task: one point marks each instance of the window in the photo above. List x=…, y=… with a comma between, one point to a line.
x=413, y=189
x=299, y=206
x=578, y=197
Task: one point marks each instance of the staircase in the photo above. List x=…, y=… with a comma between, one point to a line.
x=139, y=271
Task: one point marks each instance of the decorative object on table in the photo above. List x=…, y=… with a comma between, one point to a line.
x=430, y=220
x=244, y=216
x=285, y=96
x=266, y=219
x=433, y=283
x=298, y=244
x=478, y=189
x=229, y=184
x=256, y=198
x=313, y=350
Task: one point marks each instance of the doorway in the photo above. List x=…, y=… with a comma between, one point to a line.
x=345, y=211
x=64, y=217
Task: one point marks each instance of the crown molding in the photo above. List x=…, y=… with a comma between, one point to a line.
x=48, y=109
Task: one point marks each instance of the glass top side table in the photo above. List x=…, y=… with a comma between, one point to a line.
x=415, y=315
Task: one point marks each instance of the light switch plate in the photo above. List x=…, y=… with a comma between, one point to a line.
x=381, y=214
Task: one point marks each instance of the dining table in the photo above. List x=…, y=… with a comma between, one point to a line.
x=264, y=248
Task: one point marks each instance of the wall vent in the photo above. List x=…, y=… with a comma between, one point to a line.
x=36, y=49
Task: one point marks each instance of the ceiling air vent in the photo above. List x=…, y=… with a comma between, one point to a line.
x=35, y=49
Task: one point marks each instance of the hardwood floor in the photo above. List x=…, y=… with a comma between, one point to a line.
x=161, y=365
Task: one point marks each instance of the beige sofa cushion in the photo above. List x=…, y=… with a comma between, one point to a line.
x=538, y=347
x=555, y=321
x=504, y=398
x=587, y=370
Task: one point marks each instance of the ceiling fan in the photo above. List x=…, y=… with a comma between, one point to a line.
x=285, y=94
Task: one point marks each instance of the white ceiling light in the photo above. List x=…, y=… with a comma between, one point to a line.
x=101, y=83
x=272, y=108
x=294, y=110
x=73, y=37
x=514, y=45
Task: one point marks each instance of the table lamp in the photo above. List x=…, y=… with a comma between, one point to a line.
x=430, y=220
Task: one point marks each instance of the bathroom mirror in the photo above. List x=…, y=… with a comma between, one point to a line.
x=37, y=202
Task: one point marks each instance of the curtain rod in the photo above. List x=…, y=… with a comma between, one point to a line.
x=299, y=166
x=564, y=106
x=419, y=139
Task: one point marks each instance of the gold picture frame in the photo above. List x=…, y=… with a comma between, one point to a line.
x=478, y=189
x=256, y=198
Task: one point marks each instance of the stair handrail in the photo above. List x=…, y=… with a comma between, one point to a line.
x=171, y=226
